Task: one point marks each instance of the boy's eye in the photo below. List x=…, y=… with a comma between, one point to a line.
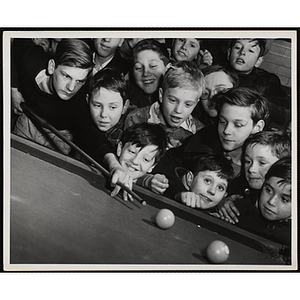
x=221, y=188
x=153, y=66
x=222, y=121
x=189, y=104
x=267, y=190
x=286, y=199
x=207, y=180
x=238, y=125
x=262, y=163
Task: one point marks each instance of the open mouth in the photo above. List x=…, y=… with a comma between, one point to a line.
x=240, y=61
x=175, y=119
x=205, y=199
x=148, y=81
x=181, y=54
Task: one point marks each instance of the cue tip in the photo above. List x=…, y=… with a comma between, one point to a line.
x=144, y=203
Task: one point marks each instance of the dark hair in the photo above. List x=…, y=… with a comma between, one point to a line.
x=233, y=76
x=74, y=53
x=152, y=44
x=278, y=140
x=282, y=168
x=217, y=163
x=110, y=80
x=146, y=134
x=244, y=97
x=262, y=43
x=184, y=74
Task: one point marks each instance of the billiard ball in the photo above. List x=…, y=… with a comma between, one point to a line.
x=164, y=218
x=217, y=252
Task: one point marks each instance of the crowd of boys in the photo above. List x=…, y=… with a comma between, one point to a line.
x=163, y=114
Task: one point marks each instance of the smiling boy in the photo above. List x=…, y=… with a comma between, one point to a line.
x=180, y=92
x=140, y=149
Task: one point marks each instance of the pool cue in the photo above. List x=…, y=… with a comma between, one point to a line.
x=45, y=124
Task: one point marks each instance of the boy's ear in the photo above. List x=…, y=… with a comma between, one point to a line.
x=160, y=95
x=259, y=61
x=51, y=66
x=259, y=126
x=125, y=107
x=187, y=180
x=119, y=149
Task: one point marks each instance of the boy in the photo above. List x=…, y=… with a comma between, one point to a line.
x=269, y=215
x=240, y=112
x=207, y=184
x=108, y=103
x=180, y=92
x=150, y=60
x=140, y=149
x=245, y=56
x=107, y=55
x=55, y=89
x=217, y=79
x=188, y=49
x=261, y=150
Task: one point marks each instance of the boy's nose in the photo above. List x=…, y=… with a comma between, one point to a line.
x=107, y=40
x=183, y=46
x=146, y=71
x=227, y=130
x=71, y=86
x=212, y=190
x=252, y=168
x=273, y=201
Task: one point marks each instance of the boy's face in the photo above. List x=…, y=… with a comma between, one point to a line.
x=210, y=187
x=185, y=49
x=214, y=83
x=66, y=81
x=275, y=200
x=235, y=125
x=148, y=69
x=106, y=47
x=106, y=108
x=258, y=159
x=244, y=56
x=177, y=105
x=135, y=160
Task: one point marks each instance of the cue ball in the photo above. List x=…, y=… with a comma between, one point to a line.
x=217, y=252
x=165, y=218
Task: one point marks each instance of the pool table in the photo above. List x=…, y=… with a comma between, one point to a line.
x=62, y=217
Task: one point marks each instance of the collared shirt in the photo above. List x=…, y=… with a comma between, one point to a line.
x=97, y=67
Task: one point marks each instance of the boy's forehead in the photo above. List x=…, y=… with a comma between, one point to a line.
x=149, y=149
x=252, y=42
x=73, y=71
x=214, y=174
x=236, y=112
x=102, y=94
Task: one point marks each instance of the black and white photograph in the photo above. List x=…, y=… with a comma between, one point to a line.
x=150, y=150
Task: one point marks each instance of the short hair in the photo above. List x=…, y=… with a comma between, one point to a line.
x=244, y=97
x=281, y=169
x=233, y=76
x=74, y=53
x=278, y=140
x=111, y=80
x=217, y=163
x=262, y=43
x=146, y=134
x=184, y=74
x=154, y=45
